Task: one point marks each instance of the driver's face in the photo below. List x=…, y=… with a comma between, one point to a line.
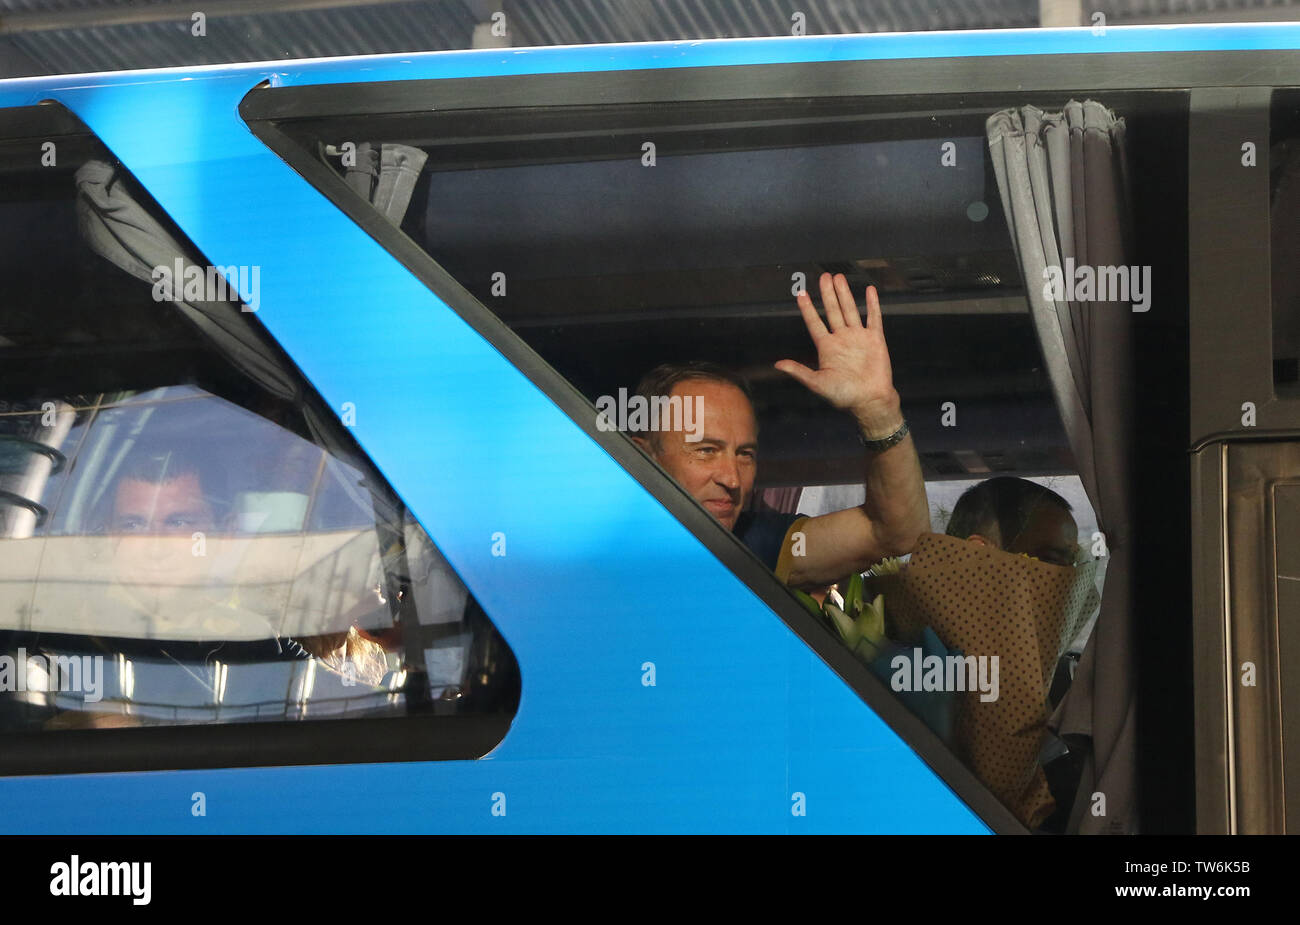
x=167, y=508
x=155, y=523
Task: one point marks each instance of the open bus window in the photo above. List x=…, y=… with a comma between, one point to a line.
x=614, y=240
x=188, y=536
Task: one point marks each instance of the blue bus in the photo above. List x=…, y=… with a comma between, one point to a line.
x=313, y=517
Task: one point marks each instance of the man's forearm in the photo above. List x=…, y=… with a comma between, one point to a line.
x=895, y=489
x=854, y=374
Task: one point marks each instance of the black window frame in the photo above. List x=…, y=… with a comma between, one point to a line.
x=422, y=736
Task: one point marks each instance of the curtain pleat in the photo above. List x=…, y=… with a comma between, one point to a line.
x=385, y=175
x=1064, y=184
x=120, y=230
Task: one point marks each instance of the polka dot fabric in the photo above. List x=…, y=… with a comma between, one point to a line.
x=986, y=602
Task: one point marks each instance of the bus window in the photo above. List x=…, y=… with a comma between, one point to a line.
x=614, y=239
x=189, y=536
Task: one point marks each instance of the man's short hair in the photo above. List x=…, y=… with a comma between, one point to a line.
x=159, y=464
x=1004, y=502
x=661, y=380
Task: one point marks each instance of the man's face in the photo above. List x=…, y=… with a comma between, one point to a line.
x=1050, y=536
x=155, y=523
x=719, y=469
x=175, y=506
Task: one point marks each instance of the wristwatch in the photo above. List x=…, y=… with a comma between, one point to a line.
x=885, y=443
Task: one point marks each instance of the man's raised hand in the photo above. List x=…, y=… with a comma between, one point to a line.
x=854, y=372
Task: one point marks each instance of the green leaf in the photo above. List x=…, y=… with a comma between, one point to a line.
x=842, y=623
x=867, y=650
x=853, y=596
x=807, y=600
x=871, y=622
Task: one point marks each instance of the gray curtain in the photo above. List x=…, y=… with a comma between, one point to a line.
x=385, y=175
x=1064, y=185
x=120, y=229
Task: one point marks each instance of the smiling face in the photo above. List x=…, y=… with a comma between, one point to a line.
x=719, y=469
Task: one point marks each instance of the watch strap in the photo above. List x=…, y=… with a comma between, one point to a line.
x=885, y=443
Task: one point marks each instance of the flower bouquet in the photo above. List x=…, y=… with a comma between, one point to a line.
x=858, y=619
